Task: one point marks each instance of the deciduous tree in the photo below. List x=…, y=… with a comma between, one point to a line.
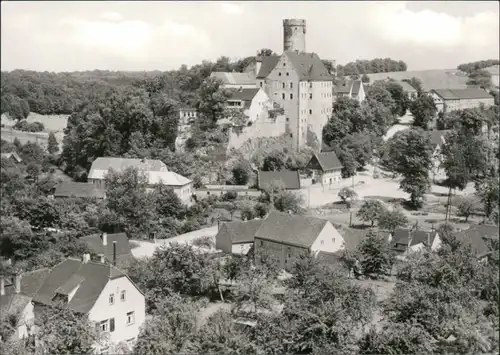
x=371, y=210
x=423, y=110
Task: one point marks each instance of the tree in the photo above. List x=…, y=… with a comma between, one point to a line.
x=466, y=207
x=348, y=161
x=487, y=191
x=287, y=201
x=410, y=152
x=371, y=210
x=213, y=99
x=423, y=110
x=473, y=66
x=168, y=203
x=416, y=84
x=261, y=210
x=378, y=92
x=365, y=79
x=241, y=173
x=391, y=220
x=273, y=162
x=400, y=98
x=376, y=257
x=481, y=78
x=253, y=292
x=33, y=171
x=265, y=52
x=60, y=330
x=359, y=145
x=347, y=193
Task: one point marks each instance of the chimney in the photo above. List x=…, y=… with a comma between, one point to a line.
x=17, y=281
x=114, y=253
x=2, y=286
x=101, y=257
x=104, y=239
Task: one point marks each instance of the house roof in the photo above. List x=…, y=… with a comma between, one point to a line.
x=309, y=66
x=123, y=250
x=234, y=78
x=267, y=66
x=79, y=189
x=344, y=87
x=12, y=154
x=291, y=229
x=493, y=70
x=431, y=79
x=409, y=238
x=476, y=237
x=406, y=86
x=437, y=137
x=240, y=232
x=245, y=94
x=327, y=160
x=290, y=179
x=356, y=85
x=463, y=94
x=91, y=277
x=156, y=170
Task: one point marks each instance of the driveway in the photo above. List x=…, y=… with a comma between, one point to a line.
x=147, y=248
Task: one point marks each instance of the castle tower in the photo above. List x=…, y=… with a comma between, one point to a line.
x=294, y=35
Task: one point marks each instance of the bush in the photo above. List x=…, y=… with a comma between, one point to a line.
x=204, y=242
x=230, y=195
x=24, y=126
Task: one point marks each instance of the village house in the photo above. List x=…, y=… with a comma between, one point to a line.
x=16, y=295
x=353, y=89
x=287, y=179
x=404, y=241
x=237, y=237
x=235, y=80
x=111, y=248
x=479, y=238
x=13, y=156
x=409, y=90
x=101, y=291
x=299, y=83
x=326, y=169
x=254, y=103
x=460, y=99
x=155, y=170
x=284, y=237
x=67, y=189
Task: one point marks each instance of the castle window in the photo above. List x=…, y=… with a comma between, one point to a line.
x=291, y=96
x=310, y=111
x=283, y=96
x=287, y=119
x=287, y=74
x=279, y=73
x=291, y=85
x=283, y=85
x=291, y=135
x=261, y=84
x=310, y=96
x=310, y=85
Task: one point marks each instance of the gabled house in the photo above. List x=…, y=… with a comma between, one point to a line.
x=235, y=80
x=448, y=100
x=254, y=103
x=67, y=189
x=114, y=248
x=353, y=89
x=13, y=156
x=404, y=241
x=326, y=168
x=478, y=237
x=101, y=291
x=289, y=180
x=237, y=237
x=284, y=237
x=155, y=170
x=408, y=89
x=16, y=295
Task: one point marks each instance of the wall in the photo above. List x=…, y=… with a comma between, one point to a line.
x=102, y=310
x=294, y=35
x=329, y=240
x=261, y=104
x=204, y=193
x=262, y=127
x=184, y=192
x=324, y=177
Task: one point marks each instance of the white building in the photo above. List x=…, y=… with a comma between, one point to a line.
x=101, y=291
x=326, y=169
x=254, y=103
x=460, y=99
x=156, y=171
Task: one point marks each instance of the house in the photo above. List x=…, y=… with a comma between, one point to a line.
x=237, y=237
x=478, y=237
x=430, y=79
x=437, y=139
x=101, y=291
x=284, y=237
x=299, y=83
x=326, y=168
x=409, y=90
x=353, y=89
x=289, y=180
x=235, y=80
x=78, y=189
x=16, y=296
x=254, y=103
x=494, y=71
x=155, y=170
x=404, y=241
x=448, y=100
x=13, y=156
x=115, y=248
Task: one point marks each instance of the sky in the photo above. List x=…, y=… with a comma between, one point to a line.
x=136, y=36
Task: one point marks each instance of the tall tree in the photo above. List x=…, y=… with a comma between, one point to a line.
x=423, y=110
x=213, y=99
x=52, y=145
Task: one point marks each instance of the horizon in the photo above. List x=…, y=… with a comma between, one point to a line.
x=137, y=37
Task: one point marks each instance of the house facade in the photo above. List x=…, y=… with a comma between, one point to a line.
x=254, y=103
x=353, y=89
x=110, y=299
x=326, y=169
x=155, y=170
x=460, y=99
x=237, y=237
x=284, y=237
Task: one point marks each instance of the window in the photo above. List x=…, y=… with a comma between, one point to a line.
x=322, y=242
x=310, y=111
x=279, y=74
x=333, y=240
x=291, y=135
x=261, y=84
x=112, y=299
x=111, y=325
x=287, y=119
x=261, y=243
x=283, y=85
x=130, y=318
x=291, y=85
x=311, y=85
x=291, y=96
x=283, y=96
x=122, y=294
x=310, y=96
x=104, y=326
x=287, y=74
